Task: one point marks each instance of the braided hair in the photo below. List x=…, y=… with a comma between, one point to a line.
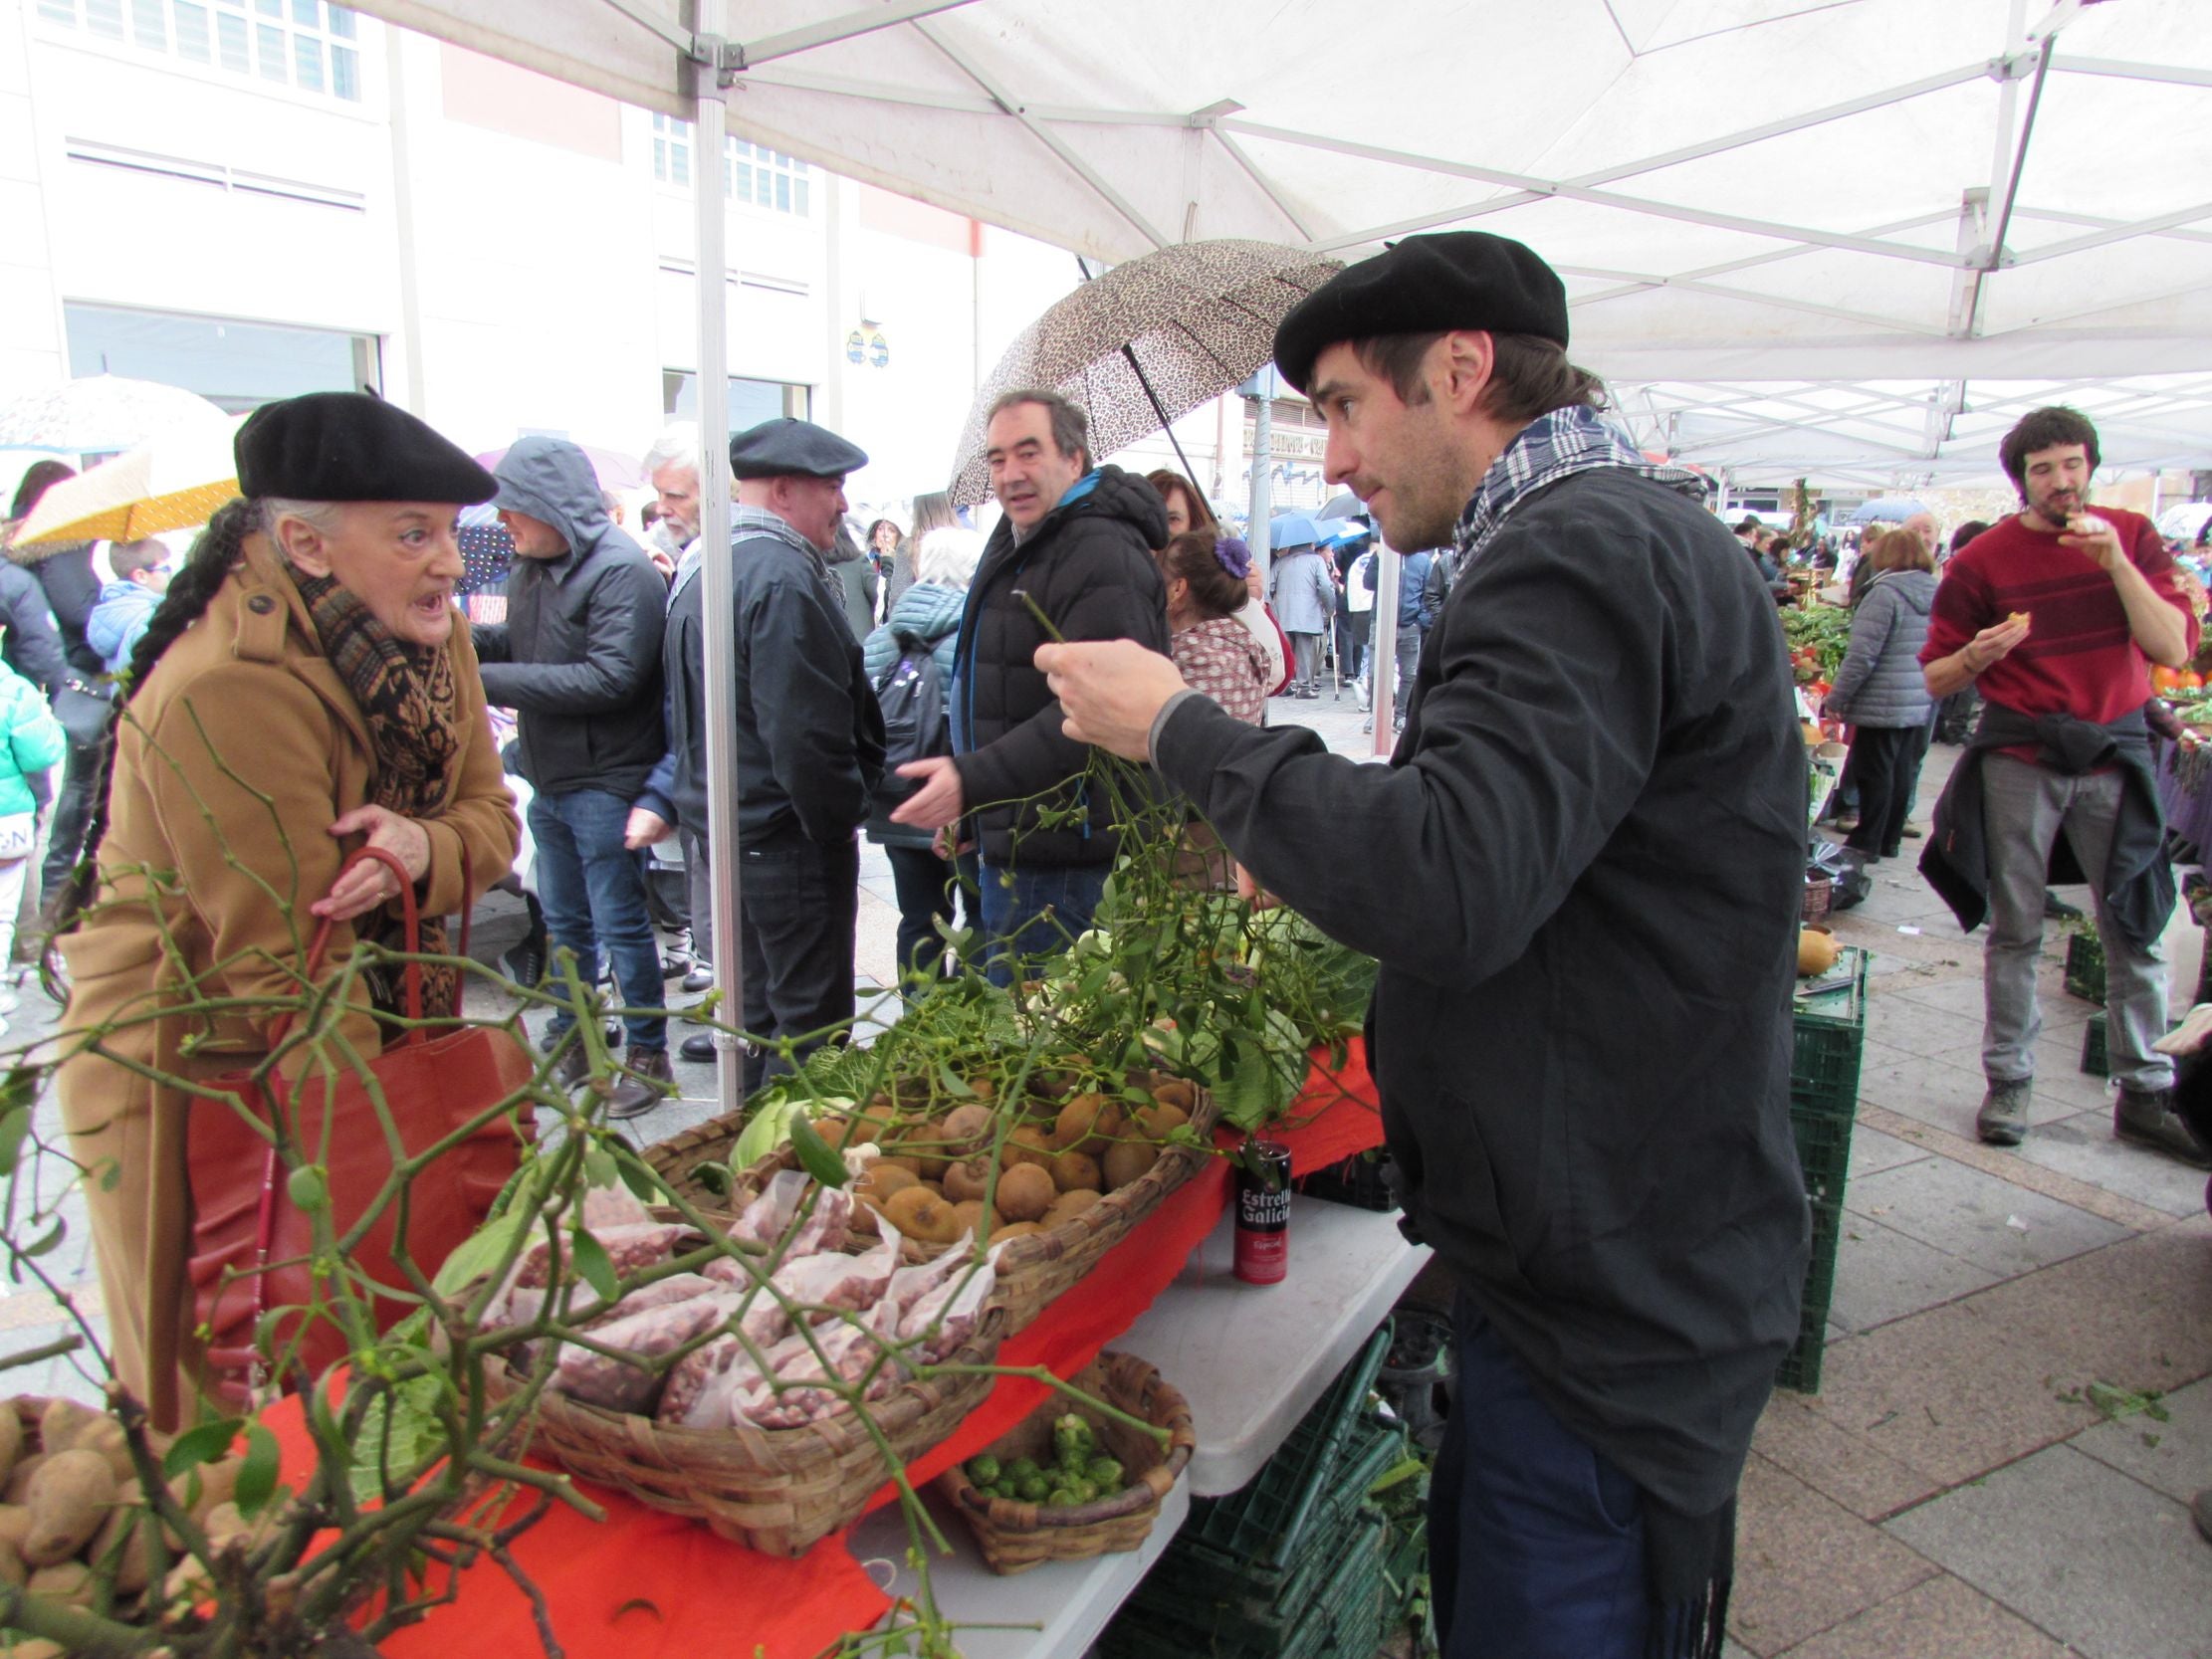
x=215, y=554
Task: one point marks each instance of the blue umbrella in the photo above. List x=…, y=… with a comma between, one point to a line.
x=1335, y=532
x=1887, y=509
x=1292, y=529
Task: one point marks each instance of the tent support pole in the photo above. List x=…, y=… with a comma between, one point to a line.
x=718, y=581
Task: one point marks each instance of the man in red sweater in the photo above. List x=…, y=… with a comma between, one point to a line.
x=2056, y=615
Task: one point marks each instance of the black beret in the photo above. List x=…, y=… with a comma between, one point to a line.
x=352, y=447
x=1425, y=285
x=785, y=448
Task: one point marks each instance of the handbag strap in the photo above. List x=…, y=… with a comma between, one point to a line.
x=319, y=947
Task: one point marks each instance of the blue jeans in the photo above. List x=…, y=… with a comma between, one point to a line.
x=593, y=894
x=1013, y=903
x=1535, y=1541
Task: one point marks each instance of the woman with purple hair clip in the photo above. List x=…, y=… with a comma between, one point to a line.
x=1215, y=651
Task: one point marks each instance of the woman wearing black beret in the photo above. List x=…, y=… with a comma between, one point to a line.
x=302, y=690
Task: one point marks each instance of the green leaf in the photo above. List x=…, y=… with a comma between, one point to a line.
x=257, y=1479
x=594, y=1263
x=815, y=1155
x=208, y=1443
x=714, y=1177
x=14, y=1127
x=47, y=1241
x=598, y=1167
x=639, y=1179
x=479, y=1253
x=769, y=1129
x=306, y=1189
x=954, y=1084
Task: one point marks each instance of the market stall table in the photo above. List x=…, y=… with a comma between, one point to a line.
x=1250, y=1359
x=643, y=1583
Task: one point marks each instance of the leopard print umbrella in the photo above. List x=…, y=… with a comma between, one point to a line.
x=1196, y=319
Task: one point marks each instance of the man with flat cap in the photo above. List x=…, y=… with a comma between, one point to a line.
x=809, y=739
x=1581, y=874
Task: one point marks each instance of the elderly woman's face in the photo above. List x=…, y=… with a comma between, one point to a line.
x=400, y=558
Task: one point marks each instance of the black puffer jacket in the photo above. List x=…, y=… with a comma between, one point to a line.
x=578, y=657
x=1089, y=566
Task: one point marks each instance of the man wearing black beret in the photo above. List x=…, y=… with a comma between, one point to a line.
x=809, y=739
x=1581, y=874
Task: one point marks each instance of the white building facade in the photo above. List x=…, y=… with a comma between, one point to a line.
x=257, y=198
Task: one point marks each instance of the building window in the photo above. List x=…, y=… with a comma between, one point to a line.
x=308, y=44
x=751, y=173
x=765, y=177
x=751, y=401
x=671, y=150
x=237, y=365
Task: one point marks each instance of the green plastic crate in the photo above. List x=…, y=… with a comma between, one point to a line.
x=2084, y=967
x=1211, y=1597
x=1831, y=1032
x=1828, y=1038
x=1263, y=1524
x=1342, y=1618
x=2095, y=1060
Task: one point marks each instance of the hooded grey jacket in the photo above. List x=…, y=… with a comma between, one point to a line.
x=1881, y=683
x=578, y=657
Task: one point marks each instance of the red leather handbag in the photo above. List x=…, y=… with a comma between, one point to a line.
x=244, y=1215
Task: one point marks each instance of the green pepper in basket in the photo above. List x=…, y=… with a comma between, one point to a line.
x=1105, y=1474
x=984, y=1470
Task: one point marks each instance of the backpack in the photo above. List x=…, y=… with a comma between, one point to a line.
x=916, y=722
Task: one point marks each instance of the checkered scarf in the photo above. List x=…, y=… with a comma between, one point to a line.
x=1576, y=439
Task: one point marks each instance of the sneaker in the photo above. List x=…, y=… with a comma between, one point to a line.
x=2146, y=1117
x=549, y=1038
x=677, y=957
x=1914, y=831
x=2003, y=1119
x=1843, y=822
x=646, y=1083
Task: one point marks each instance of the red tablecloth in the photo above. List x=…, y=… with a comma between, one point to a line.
x=646, y=1586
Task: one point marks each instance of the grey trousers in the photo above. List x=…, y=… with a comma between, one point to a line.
x=698, y=871
x=2023, y=809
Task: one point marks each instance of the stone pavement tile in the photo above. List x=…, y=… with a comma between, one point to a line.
x=1804, y=1563
x=1798, y=1433
x=1953, y=994
x=1969, y=1214
x=1871, y=1150
x=2007, y=1163
x=2097, y=1558
x=1933, y=1091
x=1940, y=1619
x=1883, y=1275
x=2174, y=1455
x=2084, y=1147
x=1923, y=1031
x=1952, y=1393
x=2136, y=1315
x=2061, y=1084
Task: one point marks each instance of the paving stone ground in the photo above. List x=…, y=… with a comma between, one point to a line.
x=2014, y=1409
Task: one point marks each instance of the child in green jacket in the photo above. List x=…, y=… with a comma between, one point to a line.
x=31, y=742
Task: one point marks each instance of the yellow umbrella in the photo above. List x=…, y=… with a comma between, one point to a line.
x=171, y=482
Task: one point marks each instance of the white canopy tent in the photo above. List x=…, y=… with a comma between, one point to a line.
x=1833, y=195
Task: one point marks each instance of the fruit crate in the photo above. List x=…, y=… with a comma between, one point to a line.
x=2084, y=967
x=1209, y=1599
x=1361, y=1181
x=1263, y=1524
x=1829, y=1030
x=1824, y=1103
x=1343, y=1616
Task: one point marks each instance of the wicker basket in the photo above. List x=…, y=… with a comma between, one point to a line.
x=1014, y=1536
x=780, y=1491
x=1819, y=892
x=1032, y=1269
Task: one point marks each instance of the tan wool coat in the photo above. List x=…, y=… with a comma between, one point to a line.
x=234, y=758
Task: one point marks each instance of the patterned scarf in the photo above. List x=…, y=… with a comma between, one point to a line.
x=1576, y=439
x=411, y=704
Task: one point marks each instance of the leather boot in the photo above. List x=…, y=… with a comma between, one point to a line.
x=2146, y=1116
x=646, y=1083
x=2003, y=1119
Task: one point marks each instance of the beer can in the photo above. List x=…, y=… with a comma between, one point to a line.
x=1263, y=1212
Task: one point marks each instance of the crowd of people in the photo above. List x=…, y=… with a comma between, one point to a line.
x=1600, y=778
